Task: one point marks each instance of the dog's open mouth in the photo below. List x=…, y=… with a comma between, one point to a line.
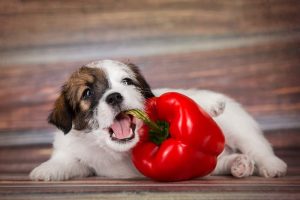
x=123, y=128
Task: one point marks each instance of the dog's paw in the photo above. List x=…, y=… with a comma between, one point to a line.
x=242, y=166
x=272, y=167
x=217, y=108
x=47, y=171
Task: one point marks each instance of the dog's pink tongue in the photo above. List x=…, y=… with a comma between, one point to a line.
x=121, y=127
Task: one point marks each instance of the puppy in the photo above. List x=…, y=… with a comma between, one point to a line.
x=96, y=137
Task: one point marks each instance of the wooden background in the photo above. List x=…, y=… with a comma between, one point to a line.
x=247, y=49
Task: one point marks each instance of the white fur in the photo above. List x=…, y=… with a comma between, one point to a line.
x=132, y=99
x=80, y=154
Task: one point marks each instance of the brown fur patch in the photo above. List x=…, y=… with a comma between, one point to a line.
x=71, y=106
x=61, y=115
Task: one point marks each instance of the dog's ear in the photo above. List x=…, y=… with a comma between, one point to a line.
x=61, y=115
x=142, y=83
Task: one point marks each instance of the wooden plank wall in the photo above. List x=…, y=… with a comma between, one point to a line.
x=247, y=49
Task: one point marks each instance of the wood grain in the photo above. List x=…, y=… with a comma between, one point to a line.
x=54, y=31
x=263, y=77
x=144, y=195
x=35, y=23
x=17, y=186
x=22, y=159
x=248, y=50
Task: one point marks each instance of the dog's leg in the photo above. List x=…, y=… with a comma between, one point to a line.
x=214, y=104
x=259, y=149
x=242, y=166
x=243, y=134
x=215, y=108
x=238, y=165
x=60, y=167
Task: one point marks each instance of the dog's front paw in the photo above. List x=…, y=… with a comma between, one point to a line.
x=242, y=166
x=272, y=167
x=217, y=108
x=47, y=171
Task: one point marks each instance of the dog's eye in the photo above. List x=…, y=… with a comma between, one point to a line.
x=87, y=93
x=127, y=81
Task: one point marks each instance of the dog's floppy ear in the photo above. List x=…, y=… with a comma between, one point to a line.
x=61, y=115
x=144, y=86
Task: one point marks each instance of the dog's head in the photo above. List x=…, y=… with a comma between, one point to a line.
x=94, y=99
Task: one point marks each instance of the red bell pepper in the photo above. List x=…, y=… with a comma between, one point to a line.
x=180, y=141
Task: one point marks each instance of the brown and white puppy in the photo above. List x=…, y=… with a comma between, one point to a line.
x=96, y=136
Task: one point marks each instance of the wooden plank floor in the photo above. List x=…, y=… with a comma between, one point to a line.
x=14, y=182
x=206, y=188
x=246, y=49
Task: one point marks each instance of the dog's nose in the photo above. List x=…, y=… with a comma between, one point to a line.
x=114, y=99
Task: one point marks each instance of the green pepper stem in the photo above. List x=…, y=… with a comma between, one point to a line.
x=143, y=116
x=158, y=131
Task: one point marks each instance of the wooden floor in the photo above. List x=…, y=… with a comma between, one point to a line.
x=14, y=182
x=246, y=49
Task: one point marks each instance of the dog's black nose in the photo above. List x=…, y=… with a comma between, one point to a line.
x=114, y=99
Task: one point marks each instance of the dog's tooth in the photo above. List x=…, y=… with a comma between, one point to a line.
x=131, y=132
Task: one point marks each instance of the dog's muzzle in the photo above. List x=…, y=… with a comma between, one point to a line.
x=123, y=128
